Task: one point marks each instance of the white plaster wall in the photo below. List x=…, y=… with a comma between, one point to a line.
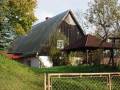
x=45, y=60
x=40, y=61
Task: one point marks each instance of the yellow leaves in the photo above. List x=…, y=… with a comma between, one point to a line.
x=25, y=4
x=24, y=9
x=19, y=30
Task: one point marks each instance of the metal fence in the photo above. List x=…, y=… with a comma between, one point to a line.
x=82, y=81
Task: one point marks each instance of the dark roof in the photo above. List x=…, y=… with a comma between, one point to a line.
x=40, y=33
x=89, y=42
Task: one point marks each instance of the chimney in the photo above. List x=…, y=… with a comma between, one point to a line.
x=47, y=18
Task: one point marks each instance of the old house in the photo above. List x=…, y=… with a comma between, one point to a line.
x=54, y=33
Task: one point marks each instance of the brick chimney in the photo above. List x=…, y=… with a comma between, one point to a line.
x=47, y=18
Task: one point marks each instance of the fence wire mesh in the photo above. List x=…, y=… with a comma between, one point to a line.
x=115, y=82
x=83, y=82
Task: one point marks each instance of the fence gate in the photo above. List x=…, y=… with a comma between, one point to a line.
x=82, y=81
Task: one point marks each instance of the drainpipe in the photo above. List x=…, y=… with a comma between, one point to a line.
x=37, y=56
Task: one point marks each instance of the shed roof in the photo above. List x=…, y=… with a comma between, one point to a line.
x=89, y=42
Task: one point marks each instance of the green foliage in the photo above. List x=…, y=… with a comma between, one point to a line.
x=53, y=42
x=97, y=56
x=76, y=54
x=105, y=16
x=15, y=76
x=54, y=52
x=21, y=14
x=6, y=30
x=16, y=18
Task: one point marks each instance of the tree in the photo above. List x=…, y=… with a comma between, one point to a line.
x=105, y=16
x=58, y=58
x=5, y=28
x=16, y=18
x=21, y=15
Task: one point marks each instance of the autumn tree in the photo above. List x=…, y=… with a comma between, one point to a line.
x=105, y=16
x=21, y=15
x=16, y=18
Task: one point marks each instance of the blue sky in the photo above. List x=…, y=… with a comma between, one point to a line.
x=49, y=8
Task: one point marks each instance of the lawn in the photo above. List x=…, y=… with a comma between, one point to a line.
x=84, y=83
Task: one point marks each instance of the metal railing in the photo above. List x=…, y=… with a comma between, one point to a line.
x=82, y=81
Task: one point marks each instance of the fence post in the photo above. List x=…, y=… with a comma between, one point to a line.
x=49, y=87
x=110, y=83
x=45, y=81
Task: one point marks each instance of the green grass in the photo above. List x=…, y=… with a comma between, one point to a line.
x=78, y=69
x=15, y=76
x=84, y=83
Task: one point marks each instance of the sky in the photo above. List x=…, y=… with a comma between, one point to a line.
x=50, y=8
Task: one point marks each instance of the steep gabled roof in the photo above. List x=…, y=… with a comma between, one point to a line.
x=40, y=33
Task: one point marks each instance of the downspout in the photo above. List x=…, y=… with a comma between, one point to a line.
x=37, y=56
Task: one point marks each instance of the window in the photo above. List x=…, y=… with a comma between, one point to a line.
x=60, y=44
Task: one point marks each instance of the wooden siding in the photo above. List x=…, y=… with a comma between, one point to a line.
x=70, y=31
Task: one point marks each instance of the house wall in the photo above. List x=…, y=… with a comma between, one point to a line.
x=26, y=61
x=31, y=61
x=41, y=61
x=75, y=61
x=35, y=62
x=45, y=61
x=106, y=60
x=70, y=31
x=66, y=31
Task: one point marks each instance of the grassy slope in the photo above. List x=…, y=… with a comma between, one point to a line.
x=15, y=76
